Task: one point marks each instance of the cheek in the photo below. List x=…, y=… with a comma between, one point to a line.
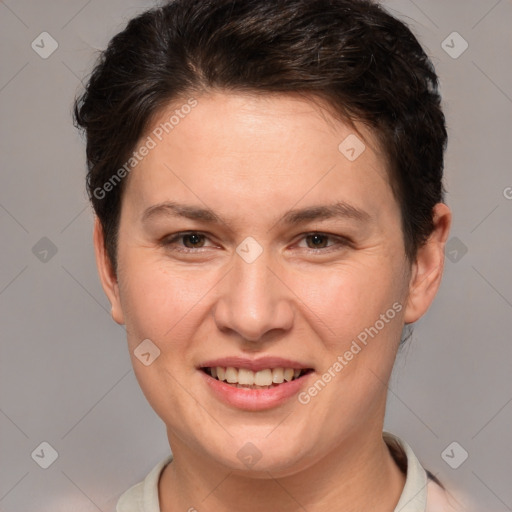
x=358, y=314
x=343, y=301
x=163, y=307
x=157, y=304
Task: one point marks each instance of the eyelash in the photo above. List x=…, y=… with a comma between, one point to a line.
x=341, y=241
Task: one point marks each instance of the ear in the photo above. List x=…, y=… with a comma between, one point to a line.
x=427, y=269
x=106, y=272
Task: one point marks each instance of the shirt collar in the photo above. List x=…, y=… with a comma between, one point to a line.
x=412, y=499
x=414, y=493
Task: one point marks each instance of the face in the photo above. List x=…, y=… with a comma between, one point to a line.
x=249, y=239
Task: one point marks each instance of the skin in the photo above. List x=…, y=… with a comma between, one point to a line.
x=251, y=159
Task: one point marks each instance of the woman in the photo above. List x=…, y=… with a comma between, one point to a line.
x=267, y=182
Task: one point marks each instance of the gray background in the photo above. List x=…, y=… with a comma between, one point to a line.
x=65, y=375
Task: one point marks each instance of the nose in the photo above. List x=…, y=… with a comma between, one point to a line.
x=253, y=301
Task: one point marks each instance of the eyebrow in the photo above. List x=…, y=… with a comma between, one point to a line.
x=340, y=209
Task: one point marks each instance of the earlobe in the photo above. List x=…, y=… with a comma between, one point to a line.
x=427, y=269
x=106, y=273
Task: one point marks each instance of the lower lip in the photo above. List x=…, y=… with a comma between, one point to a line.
x=254, y=399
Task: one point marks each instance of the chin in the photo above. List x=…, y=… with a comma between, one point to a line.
x=257, y=456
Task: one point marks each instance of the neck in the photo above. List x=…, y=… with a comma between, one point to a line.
x=359, y=474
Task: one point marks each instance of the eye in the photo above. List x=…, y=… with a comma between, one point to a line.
x=190, y=240
x=319, y=241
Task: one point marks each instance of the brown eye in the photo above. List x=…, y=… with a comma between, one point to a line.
x=318, y=240
x=193, y=239
x=320, y=243
x=185, y=241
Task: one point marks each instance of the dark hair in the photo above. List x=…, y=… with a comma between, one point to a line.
x=362, y=62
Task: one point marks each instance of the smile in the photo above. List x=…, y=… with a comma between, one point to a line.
x=262, y=379
x=255, y=385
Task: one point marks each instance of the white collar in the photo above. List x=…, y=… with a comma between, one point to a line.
x=414, y=493
x=143, y=497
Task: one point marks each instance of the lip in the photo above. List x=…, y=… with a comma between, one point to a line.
x=255, y=365
x=255, y=399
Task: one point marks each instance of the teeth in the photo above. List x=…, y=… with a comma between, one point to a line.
x=232, y=375
x=243, y=378
x=288, y=374
x=278, y=375
x=246, y=377
x=263, y=378
x=252, y=387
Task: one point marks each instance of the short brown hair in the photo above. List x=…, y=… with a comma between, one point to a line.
x=364, y=63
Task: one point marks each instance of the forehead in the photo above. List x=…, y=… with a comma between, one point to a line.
x=241, y=150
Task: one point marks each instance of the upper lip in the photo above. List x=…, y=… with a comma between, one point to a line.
x=255, y=365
